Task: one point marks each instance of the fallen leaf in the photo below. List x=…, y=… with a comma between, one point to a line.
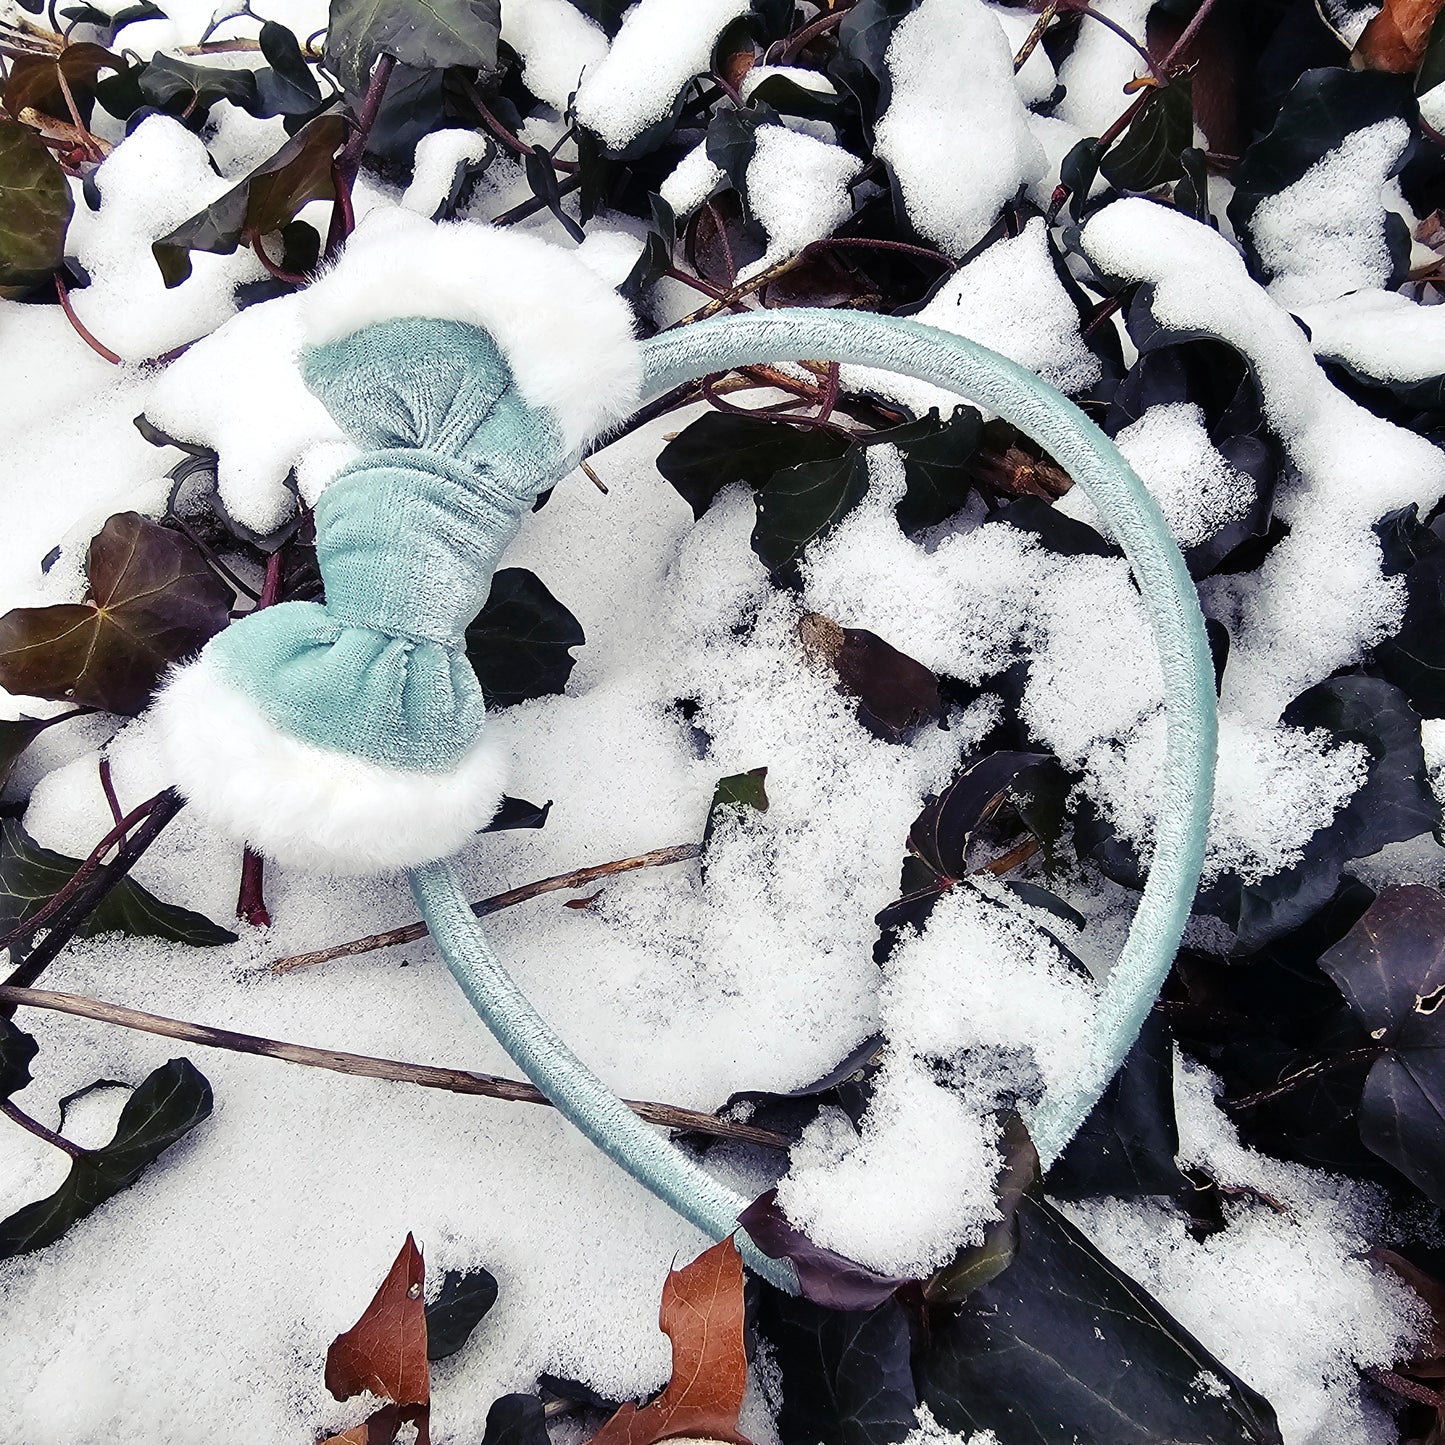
x=894, y=692
x=1395, y=39
x=702, y=1314
x=385, y=1350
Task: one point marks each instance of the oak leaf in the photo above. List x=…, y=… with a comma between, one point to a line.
x=702, y=1314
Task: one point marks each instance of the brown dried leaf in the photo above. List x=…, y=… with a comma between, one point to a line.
x=702, y=1314
x=1395, y=39
x=381, y=1428
x=385, y=1350
x=894, y=691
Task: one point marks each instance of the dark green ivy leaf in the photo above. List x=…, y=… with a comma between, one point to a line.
x=802, y=503
x=167, y=1105
x=516, y=1420
x=720, y=448
x=35, y=207
x=287, y=86
x=1062, y=1346
x=458, y=1310
x=153, y=601
x=1149, y=152
x=845, y=1375
x=1391, y=969
x=427, y=34
x=15, y=736
x=520, y=643
x=936, y=456
x=17, y=1049
x=182, y=87
x=31, y=875
x=741, y=790
x=264, y=201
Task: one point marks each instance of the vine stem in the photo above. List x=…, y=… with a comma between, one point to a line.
x=578, y=878
x=1186, y=38
x=251, y=899
x=34, y=1126
x=347, y=165
x=428, y=1076
x=81, y=330
x=1308, y=1075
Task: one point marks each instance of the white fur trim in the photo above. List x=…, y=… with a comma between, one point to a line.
x=309, y=807
x=565, y=333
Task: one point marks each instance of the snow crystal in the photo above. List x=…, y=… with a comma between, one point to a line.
x=908, y=1189
x=1282, y=1295
x=159, y=176
x=659, y=48
x=691, y=181
x=955, y=132
x=556, y=42
x=1198, y=489
x=797, y=189
x=1324, y=235
x=1100, y=65
x=1381, y=334
x=1320, y=600
x=929, y=1432
x=1010, y=299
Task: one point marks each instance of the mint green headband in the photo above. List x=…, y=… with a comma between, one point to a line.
x=370, y=693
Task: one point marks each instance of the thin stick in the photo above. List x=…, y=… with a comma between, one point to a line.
x=90, y=895
x=593, y=477
x=34, y=1126
x=455, y=1081
x=1186, y=38
x=579, y=878
x=99, y=347
x=1031, y=41
x=1306, y=1075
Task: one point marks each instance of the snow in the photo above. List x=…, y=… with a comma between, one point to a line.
x=659, y=48
x=797, y=189
x=1100, y=65
x=557, y=43
x=439, y=159
x=1197, y=488
x=1381, y=334
x=158, y=178
x=1320, y=600
x=1010, y=299
x=955, y=133
x=1283, y=1296
x=1324, y=235
x=691, y=181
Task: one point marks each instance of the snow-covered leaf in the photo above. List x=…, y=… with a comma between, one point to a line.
x=520, y=643
x=428, y=34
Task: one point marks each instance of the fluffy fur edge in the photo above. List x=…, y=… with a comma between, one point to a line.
x=308, y=807
x=565, y=332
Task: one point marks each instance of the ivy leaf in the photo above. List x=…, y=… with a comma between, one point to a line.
x=30, y=876
x=975, y=1266
x=287, y=86
x=702, y=1314
x=721, y=448
x=520, y=643
x=153, y=601
x=112, y=25
x=845, y=1377
x=1062, y=1345
x=802, y=503
x=826, y=1277
x=17, y=1049
x=1077, y=173
x=894, y=692
x=266, y=200
x=1391, y=969
x=513, y=813
x=35, y=81
x=166, y=1106
x=516, y=1420
x=427, y=34
x=458, y=1310
x=15, y=736
x=181, y=87
x=1149, y=152
x=936, y=456
x=1127, y=1146
x=35, y=207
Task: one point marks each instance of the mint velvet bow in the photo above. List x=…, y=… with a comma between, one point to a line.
x=407, y=538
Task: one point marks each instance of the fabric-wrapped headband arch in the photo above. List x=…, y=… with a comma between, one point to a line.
x=449, y=357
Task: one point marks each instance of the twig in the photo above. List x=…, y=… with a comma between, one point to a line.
x=34, y=1126
x=658, y=858
x=81, y=330
x=1031, y=41
x=799, y=40
x=107, y=786
x=1411, y=1389
x=593, y=477
x=88, y=865
x=1307, y=1075
x=89, y=896
x=456, y=1081
x=1186, y=38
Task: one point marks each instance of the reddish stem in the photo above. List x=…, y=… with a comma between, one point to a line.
x=108, y=788
x=347, y=165
x=291, y=278
x=81, y=331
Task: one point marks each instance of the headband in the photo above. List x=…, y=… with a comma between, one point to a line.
x=470, y=367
